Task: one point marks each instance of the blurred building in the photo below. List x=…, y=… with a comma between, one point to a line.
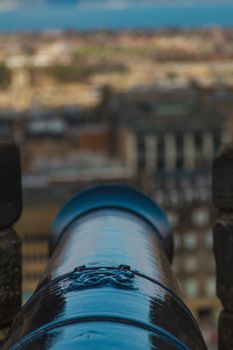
x=162, y=140
x=187, y=201
x=168, y=130
x=170, y=138
x=46, y=189
x=63, y=150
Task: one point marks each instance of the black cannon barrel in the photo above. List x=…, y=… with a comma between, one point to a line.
x=108, y=284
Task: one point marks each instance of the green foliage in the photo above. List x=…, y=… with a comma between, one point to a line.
x=67, y=73
x=110, y=52
x=73, y=73
x=5, y=76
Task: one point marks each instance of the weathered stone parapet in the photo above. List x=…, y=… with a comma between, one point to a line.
x=222, y=184
x=225, y=330
x=222, y=188
x=10, y=185
x=10, y=242
x=10, y=276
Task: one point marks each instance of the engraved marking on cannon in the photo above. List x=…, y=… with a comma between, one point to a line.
x=100, y=277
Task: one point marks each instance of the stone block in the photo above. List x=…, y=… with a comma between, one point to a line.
x=222, y=180
x=225, y=330
x=10, y=276
x=223, y=250
x=10, y=185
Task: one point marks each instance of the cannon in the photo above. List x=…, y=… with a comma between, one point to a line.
x=108, y=284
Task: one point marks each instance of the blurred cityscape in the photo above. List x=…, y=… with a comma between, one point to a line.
x=146, y=108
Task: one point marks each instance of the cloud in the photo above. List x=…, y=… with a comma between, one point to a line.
x=8, y=5
x=112, y=4
x=122, y=4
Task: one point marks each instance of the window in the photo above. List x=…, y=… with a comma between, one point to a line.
x=190, y=241
x=209, y=239
x=200, y=217
x=174, y=197
x=188, y=194
x=159, y=197
x=173, y=218
x=190, y=264
x=210, y=287
x=191, y=287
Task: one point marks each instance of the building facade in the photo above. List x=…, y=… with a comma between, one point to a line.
x=170, y=138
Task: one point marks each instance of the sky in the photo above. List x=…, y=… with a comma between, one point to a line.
x=8, y=5
x=23, y=15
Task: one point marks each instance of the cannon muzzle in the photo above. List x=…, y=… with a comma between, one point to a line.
x=108, y=284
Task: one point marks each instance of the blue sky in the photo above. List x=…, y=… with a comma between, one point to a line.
x=10, y=5
x=26, y=15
